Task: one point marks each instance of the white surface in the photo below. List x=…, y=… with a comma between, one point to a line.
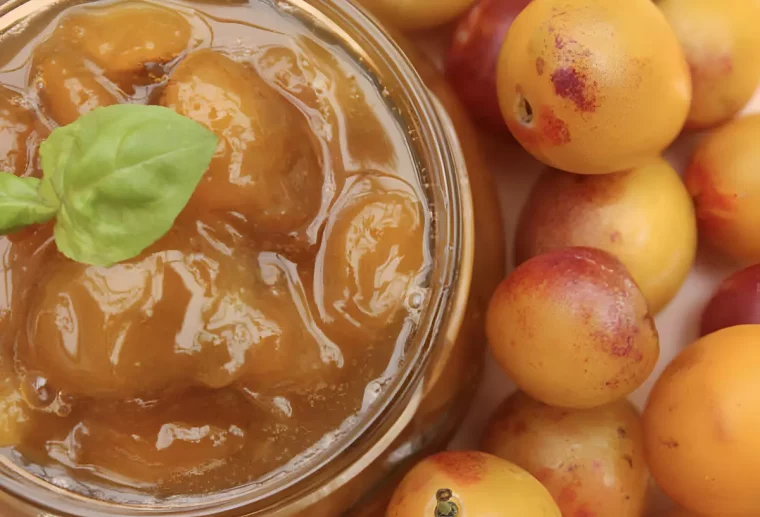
x=678, y=324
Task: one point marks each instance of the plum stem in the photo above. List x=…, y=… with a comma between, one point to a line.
x=524, y=110
x=445, y=507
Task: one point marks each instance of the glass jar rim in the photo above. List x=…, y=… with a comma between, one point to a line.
x=351, y=26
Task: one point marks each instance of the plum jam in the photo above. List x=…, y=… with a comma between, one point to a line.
x=276, y=309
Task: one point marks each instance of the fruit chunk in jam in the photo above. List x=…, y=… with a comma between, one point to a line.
x=155, y=441
x=14, y=413
x=124, y=40
x=370, y=256
x=20, y=133
x=68, y=87
x=348, y=124
x=265, y=166
x=184, y=313
x=298, y=353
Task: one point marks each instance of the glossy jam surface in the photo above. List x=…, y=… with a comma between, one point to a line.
x=274, y=311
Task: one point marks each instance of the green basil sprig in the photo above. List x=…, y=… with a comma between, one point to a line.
x=114, y=180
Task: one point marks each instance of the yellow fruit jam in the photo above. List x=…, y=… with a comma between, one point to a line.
x=276, y=308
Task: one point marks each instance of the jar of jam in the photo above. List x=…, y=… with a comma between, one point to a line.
x=310, y=325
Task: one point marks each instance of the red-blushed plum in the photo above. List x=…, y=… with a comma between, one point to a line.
x=722, y=178
x=572, y=329
x=735, y=302
x=590, y=460
x=645, y=217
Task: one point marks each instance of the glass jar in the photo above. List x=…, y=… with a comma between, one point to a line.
x=419, y=412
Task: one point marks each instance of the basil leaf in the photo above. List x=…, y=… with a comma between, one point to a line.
x=122, y=174
x=21, y=203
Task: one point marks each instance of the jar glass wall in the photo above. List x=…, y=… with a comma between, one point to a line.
x=418, y=412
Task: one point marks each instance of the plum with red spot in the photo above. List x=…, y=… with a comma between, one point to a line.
x=471, y=65
x=572, y=328
x=472, y=484
x=590, y=460
x=584, y=89
x=722, y=179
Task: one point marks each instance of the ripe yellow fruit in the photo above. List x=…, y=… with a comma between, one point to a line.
x=722, y=45
x=723, y=180
x=470, y=484
x=590, y=460
x=701, y=422
x=644, y=217
x=572, y=329
x=593, y=86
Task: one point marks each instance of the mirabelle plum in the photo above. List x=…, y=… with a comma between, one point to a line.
x=295, y=352
x=586, y=89
x=701, y=421
x=470, y=484
x=572, y=329
x=723, y=181
x=654, y=236
x=722, y=47
x=590, y=460
x=735, y=302
x=679, y=512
